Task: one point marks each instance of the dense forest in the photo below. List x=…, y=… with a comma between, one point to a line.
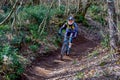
x=30, y=45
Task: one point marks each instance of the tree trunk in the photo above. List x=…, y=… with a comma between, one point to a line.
x=80, y=6
x=36, y=2
x=82, y=10
x=59, y=3
x=85, y=8
x=112, y=22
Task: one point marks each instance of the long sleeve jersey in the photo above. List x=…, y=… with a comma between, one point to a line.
x=69, y=28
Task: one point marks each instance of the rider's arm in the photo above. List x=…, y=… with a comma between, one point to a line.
x=76, y=30
x=63, y=27
x=76, y=27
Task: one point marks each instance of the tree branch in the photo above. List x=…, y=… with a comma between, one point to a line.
x=9, y=15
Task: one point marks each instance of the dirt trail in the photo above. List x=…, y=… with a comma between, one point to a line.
x=79, y=63
x=50, y=67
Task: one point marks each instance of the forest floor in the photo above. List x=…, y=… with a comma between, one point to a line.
x=87, y=61
x=79, y=65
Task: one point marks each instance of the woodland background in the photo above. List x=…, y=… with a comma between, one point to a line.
x=28, y=29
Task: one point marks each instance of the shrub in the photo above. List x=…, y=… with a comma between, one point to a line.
x=4, y=28
x=105, y=41
x=59, y=12
x=11, y=67
x=34, y=47
x=35, y=12
x=79, y=18
x=97, y=13
x=96, y=9
x=34, y=30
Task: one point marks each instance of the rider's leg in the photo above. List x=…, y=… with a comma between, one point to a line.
x=70, y=40
x=65, y=36
x=70, y=43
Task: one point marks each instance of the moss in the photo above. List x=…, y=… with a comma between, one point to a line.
x=102, y=63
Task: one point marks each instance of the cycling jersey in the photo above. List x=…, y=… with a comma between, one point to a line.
x=71, y=31
x=69, y=28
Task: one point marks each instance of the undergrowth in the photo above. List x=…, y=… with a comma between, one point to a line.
x=11, y=63
x=26, y=34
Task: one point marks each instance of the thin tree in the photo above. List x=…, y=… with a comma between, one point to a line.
x=10, y=14
x=112, y=22
x=83, y=7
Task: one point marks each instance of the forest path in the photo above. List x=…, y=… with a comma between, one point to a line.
x=87, y=61
x=50, y=67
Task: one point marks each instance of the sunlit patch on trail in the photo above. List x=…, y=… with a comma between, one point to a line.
x=41, y=71
x=58, y=61
x=67, y=58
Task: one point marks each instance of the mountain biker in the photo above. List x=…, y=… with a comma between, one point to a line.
x=71, y=31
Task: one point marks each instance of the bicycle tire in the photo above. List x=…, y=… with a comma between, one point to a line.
x=63, y=50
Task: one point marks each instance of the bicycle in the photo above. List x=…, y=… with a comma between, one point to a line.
x=64, y=48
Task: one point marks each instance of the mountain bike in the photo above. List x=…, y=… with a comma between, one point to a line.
x=64, y=49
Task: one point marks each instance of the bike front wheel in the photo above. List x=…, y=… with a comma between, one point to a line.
x=63, y=50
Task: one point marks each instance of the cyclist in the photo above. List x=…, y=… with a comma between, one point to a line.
x=71, y=31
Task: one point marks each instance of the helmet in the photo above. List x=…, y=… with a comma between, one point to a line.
x=70, y=20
